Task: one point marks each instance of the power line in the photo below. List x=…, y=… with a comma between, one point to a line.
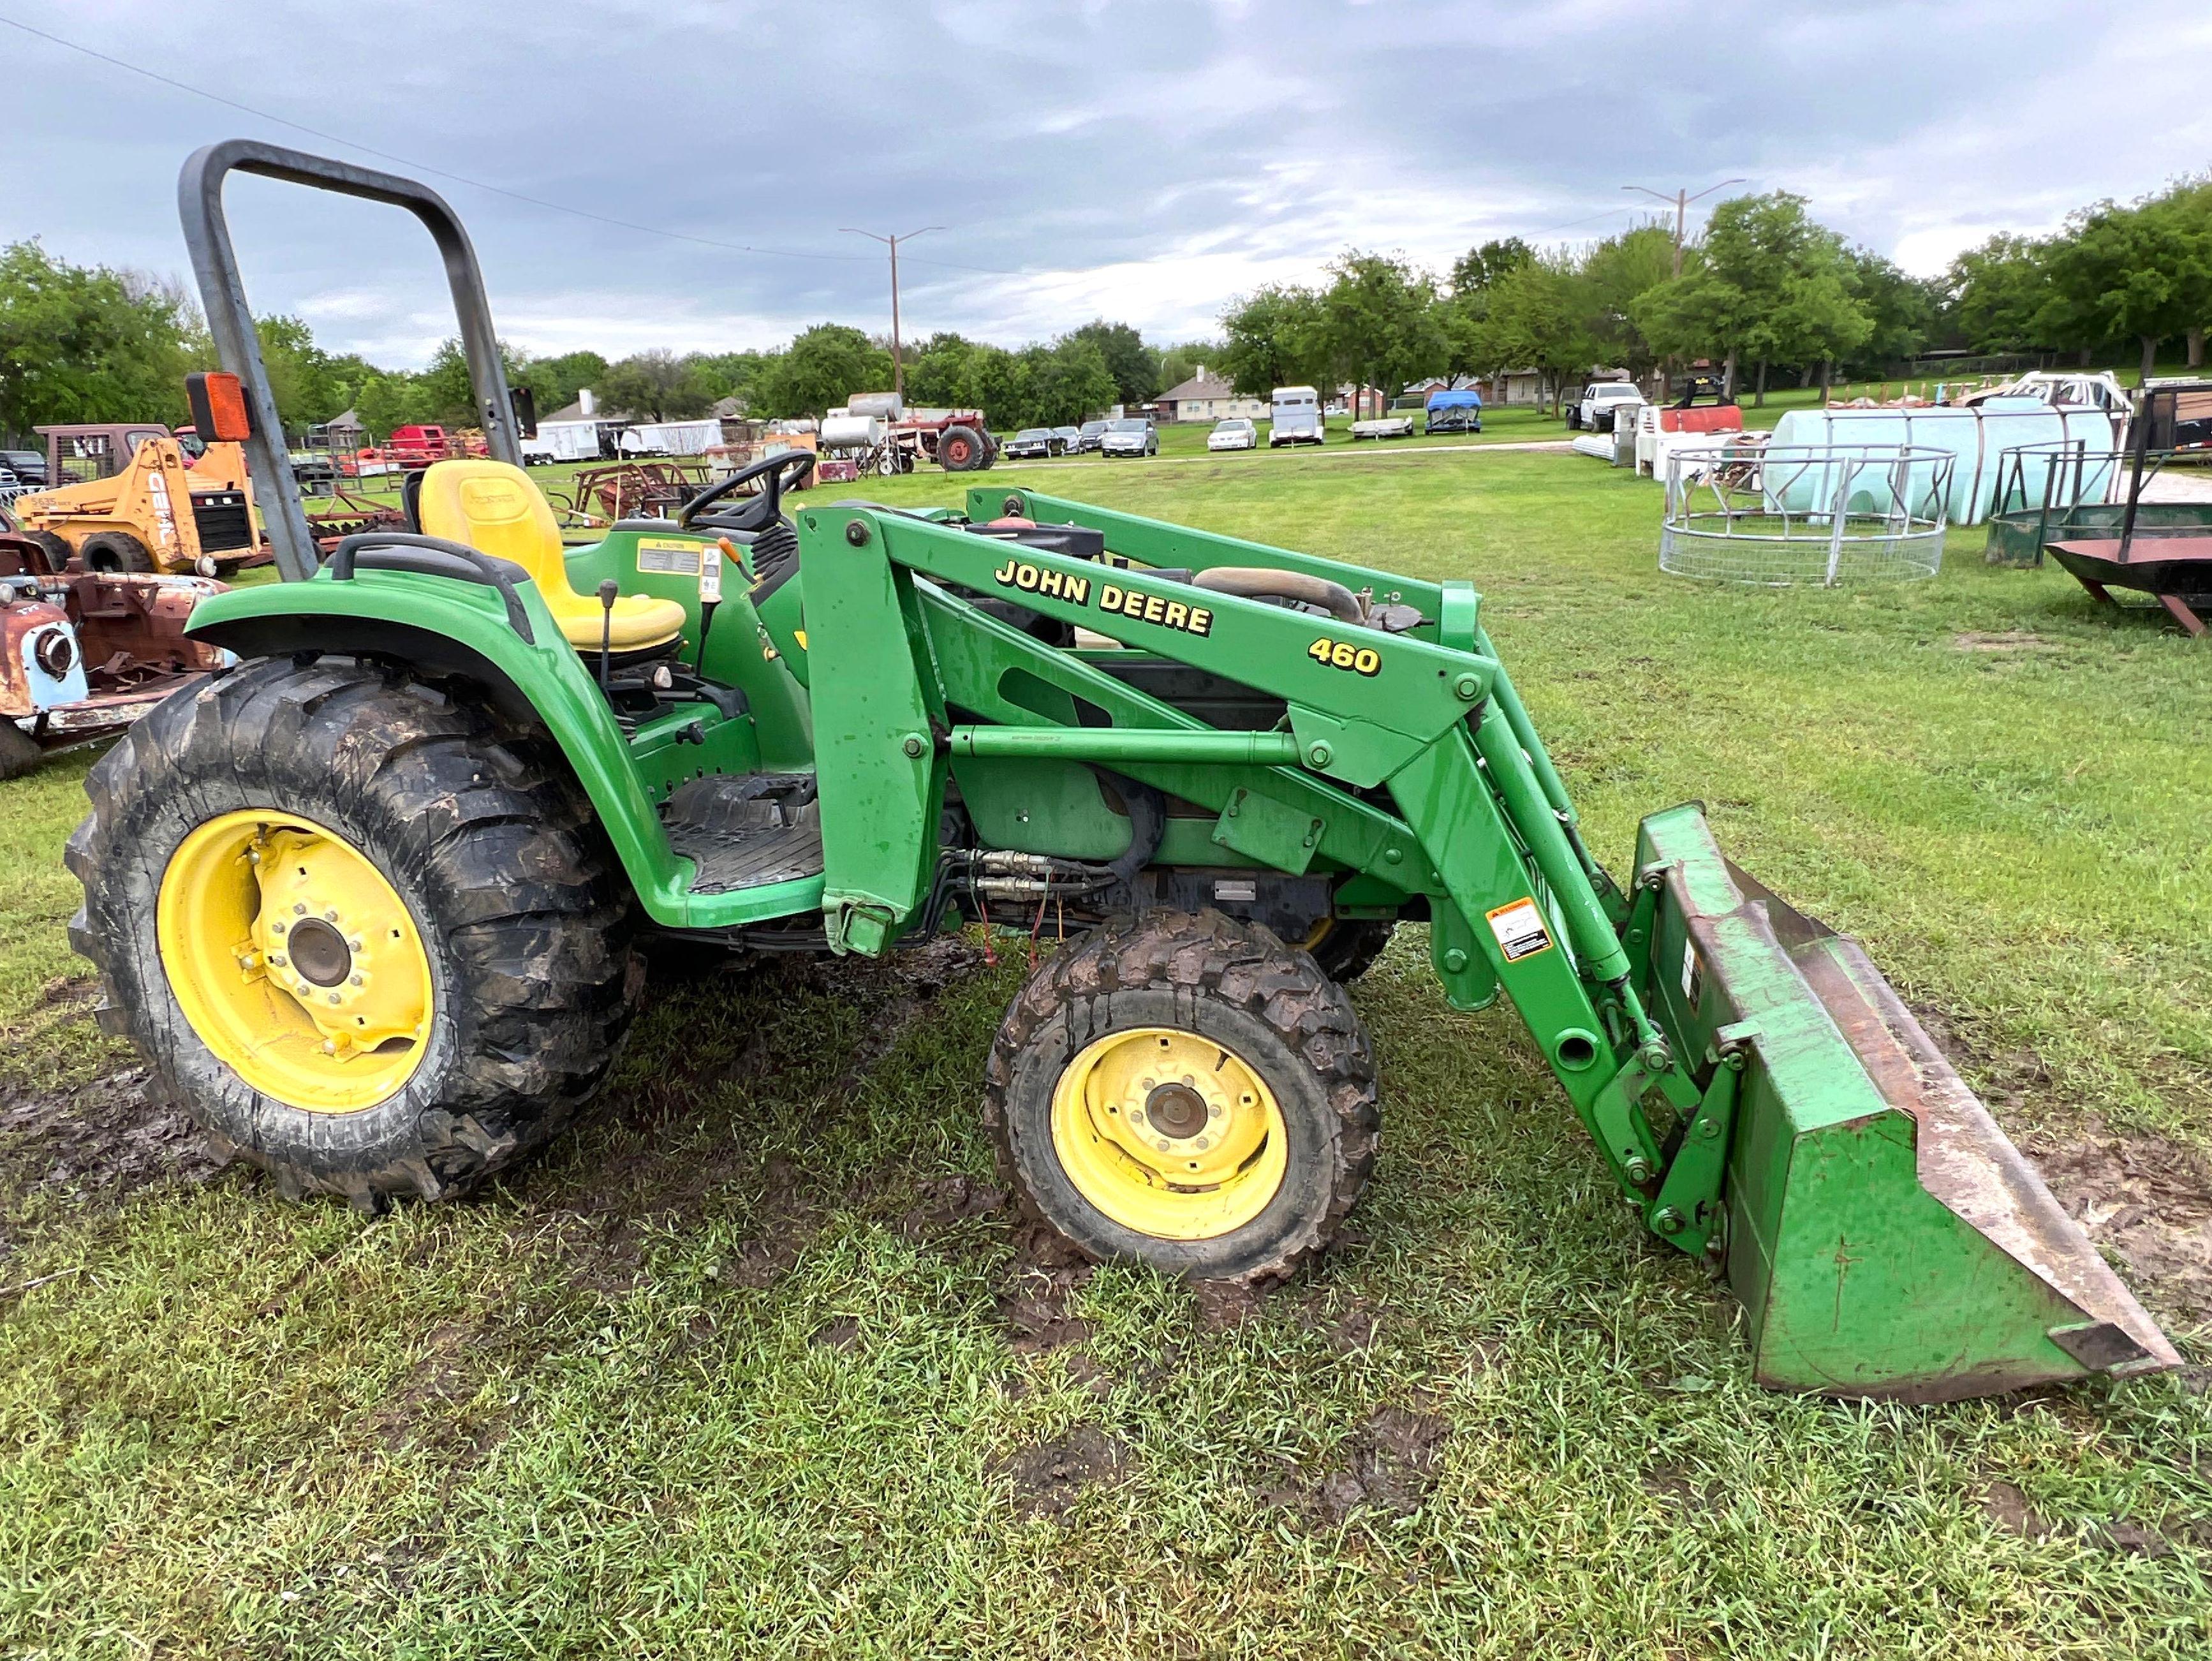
x=1681, y=199
x=423, y=167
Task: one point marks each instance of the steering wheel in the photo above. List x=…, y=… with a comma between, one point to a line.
x=762, y=510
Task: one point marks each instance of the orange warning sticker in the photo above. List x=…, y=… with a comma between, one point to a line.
x=1520, y=930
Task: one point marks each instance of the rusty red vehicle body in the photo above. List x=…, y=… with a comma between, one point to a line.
x=84, y=654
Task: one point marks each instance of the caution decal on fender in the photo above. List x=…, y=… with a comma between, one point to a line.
x=1520, y=930
x=664, y=555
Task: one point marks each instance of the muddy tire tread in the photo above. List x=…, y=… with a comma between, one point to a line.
x=531, y=901
x=1245, y=965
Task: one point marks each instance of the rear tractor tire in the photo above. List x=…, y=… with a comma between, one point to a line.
x=962, y=450
x=1187, y=1092
x=115, y=551
x=358, y=932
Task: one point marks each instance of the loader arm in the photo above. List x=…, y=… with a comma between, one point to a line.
x=1752, y=1082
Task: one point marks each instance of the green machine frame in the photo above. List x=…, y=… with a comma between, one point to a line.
x=1753, y=1084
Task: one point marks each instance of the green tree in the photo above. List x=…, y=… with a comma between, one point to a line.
x=1180, y=361
x=2134, y=272
x=820, y=369
x=555, y=382
x=385, y=401
x=2001, y=295
x=1616, y=273
x=947, y=372
x=1768, y=286
x=1134, y=365
x=442, y=391
x=731, y=375
x=80, y=343
x=657, y=386
x=302, y=377
x=1273, y=337
x=1068, y=381
x=1479, y=267
x=1538, y=317
x=1903, y=312
x=1379, y=322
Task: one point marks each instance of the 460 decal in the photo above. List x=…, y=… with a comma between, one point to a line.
x=1343, y=654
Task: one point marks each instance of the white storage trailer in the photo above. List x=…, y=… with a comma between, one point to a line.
x=1296, y=417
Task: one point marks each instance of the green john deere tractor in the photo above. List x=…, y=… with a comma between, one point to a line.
x=372, y=903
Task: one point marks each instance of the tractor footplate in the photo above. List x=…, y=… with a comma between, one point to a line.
x=744, y=832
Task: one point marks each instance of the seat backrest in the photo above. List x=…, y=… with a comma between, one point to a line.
x=495, y=508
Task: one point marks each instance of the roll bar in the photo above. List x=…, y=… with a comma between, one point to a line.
x=215, y=262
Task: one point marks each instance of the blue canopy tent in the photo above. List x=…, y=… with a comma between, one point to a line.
x=1453, y=412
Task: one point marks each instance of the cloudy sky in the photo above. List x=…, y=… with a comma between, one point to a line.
x=1144, y=160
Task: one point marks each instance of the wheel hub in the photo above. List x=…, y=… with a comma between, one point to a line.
x=319, y=952
x=294, y=960
x=1176, y=1108
x=1169, y=1133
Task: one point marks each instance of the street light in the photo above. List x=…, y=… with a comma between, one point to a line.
x=1681, y=199
x=898, y=371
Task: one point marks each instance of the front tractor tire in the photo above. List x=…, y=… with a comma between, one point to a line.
x=358, y=932
x=1187, y=1092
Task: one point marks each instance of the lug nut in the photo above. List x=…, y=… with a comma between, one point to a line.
x=277, y=958
x=1202, y=1144
x=277, y=927
x=356, y=980
x=330, y=916
x=334, y=997
x=299, y=910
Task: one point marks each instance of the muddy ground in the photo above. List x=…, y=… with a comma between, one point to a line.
x=2146, y=1201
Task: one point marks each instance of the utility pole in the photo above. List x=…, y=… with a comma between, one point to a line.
x=1681, y=199
x=898, y=369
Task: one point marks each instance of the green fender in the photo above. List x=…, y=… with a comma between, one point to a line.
x=463, y=627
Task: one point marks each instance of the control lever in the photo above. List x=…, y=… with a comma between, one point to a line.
x=609, y=591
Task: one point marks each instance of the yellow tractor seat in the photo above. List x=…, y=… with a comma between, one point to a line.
x=496, y=509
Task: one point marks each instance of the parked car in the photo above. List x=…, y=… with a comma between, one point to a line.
x=1594, y=411
x=1030, y=441
x=1234, y=433
x=28, y=466
x=1068, y=439
x=1132, y=436
x=1087, y=436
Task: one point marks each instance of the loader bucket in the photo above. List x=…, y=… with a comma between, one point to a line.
x=1885, y=1238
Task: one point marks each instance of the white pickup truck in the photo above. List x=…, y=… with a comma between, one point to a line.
x=1594, y=411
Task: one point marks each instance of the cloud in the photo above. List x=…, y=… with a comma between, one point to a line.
x=1144, y=160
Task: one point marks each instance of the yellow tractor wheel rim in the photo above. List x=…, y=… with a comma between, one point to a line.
x=1170, y=1134
x=294, y=960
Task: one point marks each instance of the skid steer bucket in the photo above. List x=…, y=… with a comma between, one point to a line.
x=1884, y=1236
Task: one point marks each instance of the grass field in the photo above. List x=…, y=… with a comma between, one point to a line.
x=758, y=1365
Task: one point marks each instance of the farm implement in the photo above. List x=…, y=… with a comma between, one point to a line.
x=371, y=903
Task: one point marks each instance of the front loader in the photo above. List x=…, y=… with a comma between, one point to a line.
x=372, y=903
